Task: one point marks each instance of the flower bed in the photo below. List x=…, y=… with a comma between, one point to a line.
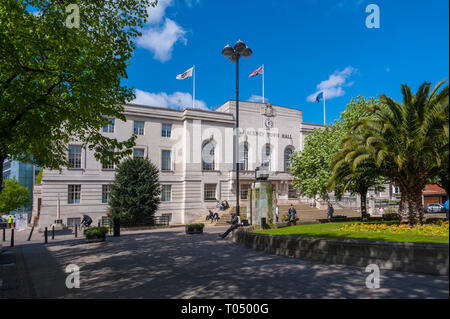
x=438, y=228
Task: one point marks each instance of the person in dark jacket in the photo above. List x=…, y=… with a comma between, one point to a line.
x=234, y=224
x=210, y=216
x=292, y=213
x=87, y=221
x=330, y=211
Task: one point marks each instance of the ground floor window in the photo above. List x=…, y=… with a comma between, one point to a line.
x=106, y=190
x=73, y=221
x=244, y=191
x=168, y=215
x=105, y=221
x=73, y=194
x=166, y=193
x=209, y=192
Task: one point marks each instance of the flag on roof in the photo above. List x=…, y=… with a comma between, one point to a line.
x=319, y=96
x=186, y=74
x=259, y=70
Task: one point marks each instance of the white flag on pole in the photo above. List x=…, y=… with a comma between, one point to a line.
x=186, y=74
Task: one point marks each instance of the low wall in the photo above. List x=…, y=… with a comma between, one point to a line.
x=426, y=258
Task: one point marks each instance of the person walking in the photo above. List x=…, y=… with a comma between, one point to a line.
x=234, y=224
x=330, y=211
x=10, y=221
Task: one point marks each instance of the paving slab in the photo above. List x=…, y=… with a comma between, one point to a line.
x=167, y=263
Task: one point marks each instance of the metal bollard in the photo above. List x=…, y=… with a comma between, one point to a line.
x=76, y=231
x=45, y=235
x=53, y=232
x=4, y=238
x=12, y=237
x=31, y=233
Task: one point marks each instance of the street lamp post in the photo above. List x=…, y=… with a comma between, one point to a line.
x=234, y=54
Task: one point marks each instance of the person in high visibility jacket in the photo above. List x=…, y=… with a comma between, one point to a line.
x=10, y=221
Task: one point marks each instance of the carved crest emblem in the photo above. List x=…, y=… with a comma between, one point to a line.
x=268, y=110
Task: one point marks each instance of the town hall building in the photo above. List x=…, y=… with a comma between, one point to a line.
x=193, y=149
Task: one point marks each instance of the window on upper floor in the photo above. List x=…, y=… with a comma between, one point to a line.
x=109, y=128
x=208, y=156
x=166, y=193
x=74, y=156
x=166, y=161
x=138, y=127
x=166, y=130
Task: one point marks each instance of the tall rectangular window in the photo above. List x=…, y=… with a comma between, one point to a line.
x=73, y=194
x=138, y=153
x=109, y=164
x=106, y=190
x=75, y=156
x=166, y=130
x=244, y=191
x=166, y=193
x=166, y=164
x=209, y=192
x=138, y=127
x=109, y=128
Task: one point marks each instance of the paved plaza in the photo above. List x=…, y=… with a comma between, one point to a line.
x=167, y=263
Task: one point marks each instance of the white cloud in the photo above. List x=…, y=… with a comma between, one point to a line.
x=161, y=39
x=156, y=14
x=160, y=34
x=257, y=98
x=177, y=100
x=333, y=86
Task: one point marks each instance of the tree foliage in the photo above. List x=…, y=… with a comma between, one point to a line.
x=312, y=168
x=59, y=83
x=135, y=193
x=13, y=195
x=408, y=142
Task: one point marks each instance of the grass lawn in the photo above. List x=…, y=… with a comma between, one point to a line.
x=331, y=230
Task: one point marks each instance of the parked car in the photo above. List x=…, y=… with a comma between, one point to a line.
x=434, y=208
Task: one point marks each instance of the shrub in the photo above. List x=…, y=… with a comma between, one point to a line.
x=96, y=232
x=135, y=193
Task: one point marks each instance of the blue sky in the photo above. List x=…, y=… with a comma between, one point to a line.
x=305, y=46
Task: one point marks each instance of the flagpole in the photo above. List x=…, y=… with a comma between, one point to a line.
x=193, y=93
x=324, y=120
x=264, y=71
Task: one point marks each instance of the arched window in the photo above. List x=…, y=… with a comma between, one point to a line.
x=243, y=157
x=287, y=160
x=208, y=156
x=266, y=152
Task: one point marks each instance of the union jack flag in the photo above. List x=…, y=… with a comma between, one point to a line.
x=259, y=70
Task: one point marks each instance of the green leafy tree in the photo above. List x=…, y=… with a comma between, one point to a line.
x=135, y=193
x=345, y=176
x=408, y=142
x=13, y=195
x=312, y=168
x=59, y=82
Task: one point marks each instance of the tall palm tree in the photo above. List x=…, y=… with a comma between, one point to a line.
x=407, y=141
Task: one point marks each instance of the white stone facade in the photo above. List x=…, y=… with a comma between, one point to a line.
x=279, y=128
